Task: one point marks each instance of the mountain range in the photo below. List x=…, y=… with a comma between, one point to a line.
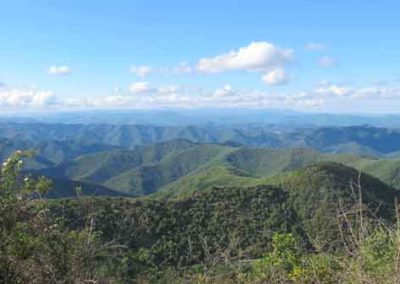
x=165, y=161
x=204, y=117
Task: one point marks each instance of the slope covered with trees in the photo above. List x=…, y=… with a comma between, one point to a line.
x=320, y=224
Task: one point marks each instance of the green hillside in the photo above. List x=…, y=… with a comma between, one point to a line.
x=266, y=162
x=230, y=224
x=143, y=170
x=236, y=222
x=315, y=192
x=319, y=192
x=180, y=167
x=68, y=188
x=250, y=166
x=100, y=167
x=206, y=179
x=149, y=178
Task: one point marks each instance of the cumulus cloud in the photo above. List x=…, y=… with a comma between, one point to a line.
x=276, y=76
x=334, y=90
x=141, y=71
x=59, y=70
x=224, y=91
x=262, y=57
x=314, y=46
x=141, y=88
x=26, y=98
x=327, y=61
x=257, y=56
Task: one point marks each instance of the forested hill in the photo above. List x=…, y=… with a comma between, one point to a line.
x=222, y=231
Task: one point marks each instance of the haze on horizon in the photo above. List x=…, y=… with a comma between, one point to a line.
x=308, y=56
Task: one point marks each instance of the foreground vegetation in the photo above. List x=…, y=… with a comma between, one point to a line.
x=325, y=223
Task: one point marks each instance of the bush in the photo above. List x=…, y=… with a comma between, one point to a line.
x=35, y=247
x=283, y=263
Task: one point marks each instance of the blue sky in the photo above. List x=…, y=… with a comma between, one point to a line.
x=333, y=56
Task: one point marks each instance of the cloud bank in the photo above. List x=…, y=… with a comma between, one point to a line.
x=143, y=95
x=26, y=98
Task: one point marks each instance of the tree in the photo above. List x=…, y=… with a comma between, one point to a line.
x=36, y=247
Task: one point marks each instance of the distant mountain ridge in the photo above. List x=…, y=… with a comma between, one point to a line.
x=204, y=117
x=360, y=139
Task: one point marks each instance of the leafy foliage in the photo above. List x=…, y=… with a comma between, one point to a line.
x=34, y=247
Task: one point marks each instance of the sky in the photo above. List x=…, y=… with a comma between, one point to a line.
x=307, y=55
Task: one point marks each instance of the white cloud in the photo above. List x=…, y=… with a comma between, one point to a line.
x=26, y=98
x=327, y=61
x=257, y=56
x=59, y=70
x=43, y=98
x=141, y=88
x=141, y=71
x=224, y=91
x=314, y=46
x=333, y=90
x=142, y=95
x=276, y=76
x=377, y=93
x=227, y=97
x=303, y=99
